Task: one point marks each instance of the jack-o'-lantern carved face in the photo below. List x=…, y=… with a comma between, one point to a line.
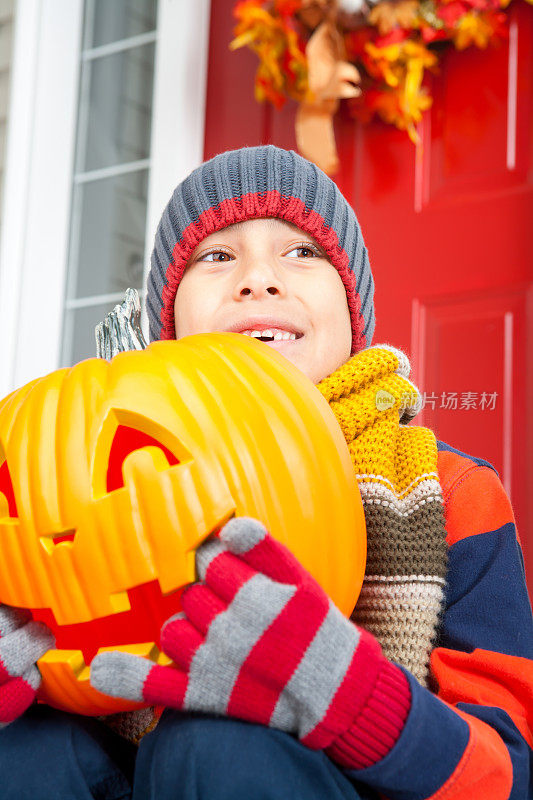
x=112, y=474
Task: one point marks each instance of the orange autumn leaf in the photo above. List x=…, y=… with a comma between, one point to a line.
x=389, y=15
x=401, y=66
x=282, y=69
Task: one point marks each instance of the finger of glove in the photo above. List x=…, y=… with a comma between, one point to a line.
x=22, y=648
x=249, y=539
x=166, y=686
x=180, y=640
x=12, y=618
x=135, y=678
x=17, y=694
x=223, y=572
x=201, y=606
x=120, y=674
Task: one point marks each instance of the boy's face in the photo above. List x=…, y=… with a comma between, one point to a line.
x=268, y=275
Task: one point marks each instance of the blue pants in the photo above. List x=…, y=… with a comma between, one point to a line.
x=47, y=754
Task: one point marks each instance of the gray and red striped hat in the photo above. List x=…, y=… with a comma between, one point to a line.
x=251, y=183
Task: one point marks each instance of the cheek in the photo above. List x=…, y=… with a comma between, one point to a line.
x=190, y=308
x=180, y=315
x=332, y=312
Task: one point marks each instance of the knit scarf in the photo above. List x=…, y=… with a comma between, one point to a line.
x=396, y=468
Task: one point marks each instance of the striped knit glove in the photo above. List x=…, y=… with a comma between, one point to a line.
x=260, y=640
x=22, y=643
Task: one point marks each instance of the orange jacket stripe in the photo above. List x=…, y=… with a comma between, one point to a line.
x=487, y=679
x=475, y=499
x=484, y=772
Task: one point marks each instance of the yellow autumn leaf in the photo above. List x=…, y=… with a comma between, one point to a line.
x=470, y=29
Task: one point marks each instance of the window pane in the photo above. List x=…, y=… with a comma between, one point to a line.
x=111, y=20
x=115, y=109
x=107, y=239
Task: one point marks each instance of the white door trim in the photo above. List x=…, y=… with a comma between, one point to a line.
x=178, y=118
x=38, y=179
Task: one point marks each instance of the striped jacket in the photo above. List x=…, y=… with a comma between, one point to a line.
x=472, y=736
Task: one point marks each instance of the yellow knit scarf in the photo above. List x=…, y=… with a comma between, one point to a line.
x=396, y=468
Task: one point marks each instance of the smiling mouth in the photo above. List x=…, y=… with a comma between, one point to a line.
x=275, y=335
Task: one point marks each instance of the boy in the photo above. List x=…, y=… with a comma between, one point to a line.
x=261, y=242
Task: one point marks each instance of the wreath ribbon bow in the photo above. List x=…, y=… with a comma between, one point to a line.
x=330, y=79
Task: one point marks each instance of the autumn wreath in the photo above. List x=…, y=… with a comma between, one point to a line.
x=373, y=54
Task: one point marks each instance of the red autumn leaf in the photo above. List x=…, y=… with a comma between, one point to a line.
x=451, y=12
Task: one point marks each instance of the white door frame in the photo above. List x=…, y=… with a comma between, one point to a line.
x=180, y=86
x=40, y=159
x=38, y=177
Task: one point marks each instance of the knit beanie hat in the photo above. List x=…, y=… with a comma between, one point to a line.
x=250, y=183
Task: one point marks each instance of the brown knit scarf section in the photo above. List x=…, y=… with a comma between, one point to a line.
x=396, y=468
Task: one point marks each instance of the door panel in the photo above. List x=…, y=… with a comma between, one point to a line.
x=476, y=399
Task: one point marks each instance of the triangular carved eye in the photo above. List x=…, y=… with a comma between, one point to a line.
x=6, y=489
x=125, y=441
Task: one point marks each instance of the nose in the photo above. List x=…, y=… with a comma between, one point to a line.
x=258, y=279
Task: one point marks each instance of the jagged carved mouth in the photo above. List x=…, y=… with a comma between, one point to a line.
x=141, y=623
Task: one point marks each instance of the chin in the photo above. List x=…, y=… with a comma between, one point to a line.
x=309, y=370
x=310, y=367
x=299, y=360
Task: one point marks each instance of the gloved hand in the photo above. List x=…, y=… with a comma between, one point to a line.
x=22, y=643
x=260, y=640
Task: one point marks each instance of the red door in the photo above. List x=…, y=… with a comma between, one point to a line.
x=449, y=229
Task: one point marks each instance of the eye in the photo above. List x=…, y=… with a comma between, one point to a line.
x=305, y=250
x=125, y=441
x=217, y=256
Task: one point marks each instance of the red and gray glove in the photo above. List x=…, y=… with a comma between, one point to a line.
x=22, y=643
x=259, y=640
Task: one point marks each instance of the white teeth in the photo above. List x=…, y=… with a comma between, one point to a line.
x=278, y=336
